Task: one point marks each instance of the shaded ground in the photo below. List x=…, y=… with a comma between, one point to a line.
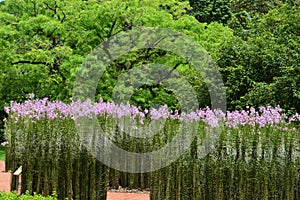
x=5, y=179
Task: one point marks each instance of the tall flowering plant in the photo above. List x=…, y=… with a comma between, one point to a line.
x=42, y=137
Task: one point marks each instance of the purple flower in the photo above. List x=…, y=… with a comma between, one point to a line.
x=6, y=109
x=4, y=143
x=35, y=109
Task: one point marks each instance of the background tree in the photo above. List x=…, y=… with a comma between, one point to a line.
x=244, y=12
x=263, y=69
x=210, y=10
x=44, y=43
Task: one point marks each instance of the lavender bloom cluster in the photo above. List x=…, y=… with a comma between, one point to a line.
x=3, y=144
x=36, y=109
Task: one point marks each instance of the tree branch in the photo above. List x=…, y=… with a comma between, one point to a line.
x=112, y=28
x=170, y=72
x=30, y=62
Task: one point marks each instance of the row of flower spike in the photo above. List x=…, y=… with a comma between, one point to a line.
x=43, y=108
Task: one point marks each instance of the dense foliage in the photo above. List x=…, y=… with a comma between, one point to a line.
x=262, y=67
x=43, y=43
x=211, y=10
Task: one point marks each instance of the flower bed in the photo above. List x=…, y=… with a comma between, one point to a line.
x=255, y=153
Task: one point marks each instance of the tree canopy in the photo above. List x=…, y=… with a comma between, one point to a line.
x=262, y=67
x=43, y=44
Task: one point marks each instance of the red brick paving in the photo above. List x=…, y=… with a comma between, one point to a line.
x=127, y=196
x=5, y=179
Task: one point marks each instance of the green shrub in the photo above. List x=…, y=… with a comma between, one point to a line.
x=27, y=196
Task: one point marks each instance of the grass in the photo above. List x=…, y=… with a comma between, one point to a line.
x=2, y=153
